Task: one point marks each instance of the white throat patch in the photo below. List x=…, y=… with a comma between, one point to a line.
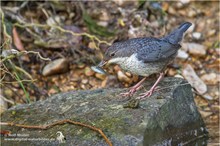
x=118, y=60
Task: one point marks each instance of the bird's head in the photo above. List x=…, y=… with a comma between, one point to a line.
x=112, y=55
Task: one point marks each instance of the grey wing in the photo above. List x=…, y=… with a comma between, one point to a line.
x=157, y=51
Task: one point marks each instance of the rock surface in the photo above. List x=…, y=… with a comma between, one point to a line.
x=169, y=116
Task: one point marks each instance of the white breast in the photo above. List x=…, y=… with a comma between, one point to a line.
x=133, y=65
x=130, y=64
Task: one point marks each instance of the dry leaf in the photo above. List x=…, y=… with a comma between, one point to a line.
x=17, y=40
x=18, y=44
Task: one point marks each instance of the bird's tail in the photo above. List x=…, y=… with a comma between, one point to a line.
x=176, y=36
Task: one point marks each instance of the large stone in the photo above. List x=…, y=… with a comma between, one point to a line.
x=55, y=67
x=168, y=117
x=194, y=48
x=191, y=76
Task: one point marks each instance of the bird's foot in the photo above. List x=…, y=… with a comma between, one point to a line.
x=144, y=95
x=147, y=94
x=130, y=92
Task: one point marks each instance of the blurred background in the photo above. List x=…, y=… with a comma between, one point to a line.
x=48, y=47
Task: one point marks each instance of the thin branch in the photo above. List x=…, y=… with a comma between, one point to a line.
x=4, y=27
x=4, y=82
x=23, y=71
x=7, y=100
x=26, y=52
x=7, y=71
x=38, y=54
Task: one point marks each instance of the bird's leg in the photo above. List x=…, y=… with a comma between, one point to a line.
x=150, y=92
x=134, y=88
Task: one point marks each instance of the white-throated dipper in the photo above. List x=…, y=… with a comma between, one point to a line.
x=145, y=56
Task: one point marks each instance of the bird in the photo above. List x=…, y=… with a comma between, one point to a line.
x=145, y=56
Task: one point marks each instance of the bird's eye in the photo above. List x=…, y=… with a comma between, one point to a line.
x=112, y=54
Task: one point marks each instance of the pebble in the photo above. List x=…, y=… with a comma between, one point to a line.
x=122, y=77
x=192, y=13
x=191, y=76
x=182, y=12
x=116, y=68
x=88, y=71
x=194, y=48
x=217, y=50
x=172, y=11
x=55, y=67
x=210, y=79
x=52, y=91
x=197, y=35
x=208, y=97
x=178, y=76
x=100, y=76
x=201, y=26
x=211, y=32
x=172, y=72
x=165, y=6
x=128, y=74
x=53, y=20
x=103, y=84
x=135, y=78
x=182, y=3
x=81, y=65
x=104, y=16
x=103, y=23
x=8, y=93
x=182, y=54
x=92, y=45
x=85, y=81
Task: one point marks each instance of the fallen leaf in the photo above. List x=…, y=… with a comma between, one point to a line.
x=17, y=41
x=18, y=44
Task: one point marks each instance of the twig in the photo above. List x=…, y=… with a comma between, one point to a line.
x=7, y=100
x=4, y=27
x=59, y=123
x=26, y=52
x=23, y=71
x=5, y=70
x=38, y=54
x=18, y=81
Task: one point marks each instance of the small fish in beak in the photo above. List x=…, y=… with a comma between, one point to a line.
x=98, y=68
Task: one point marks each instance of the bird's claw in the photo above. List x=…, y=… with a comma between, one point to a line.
x=129, y=93
x=144, y=95
x=148, y=93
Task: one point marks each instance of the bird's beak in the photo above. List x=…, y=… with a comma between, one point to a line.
x=102, y=63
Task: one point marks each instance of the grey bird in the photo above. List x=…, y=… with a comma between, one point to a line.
x=145, y=56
